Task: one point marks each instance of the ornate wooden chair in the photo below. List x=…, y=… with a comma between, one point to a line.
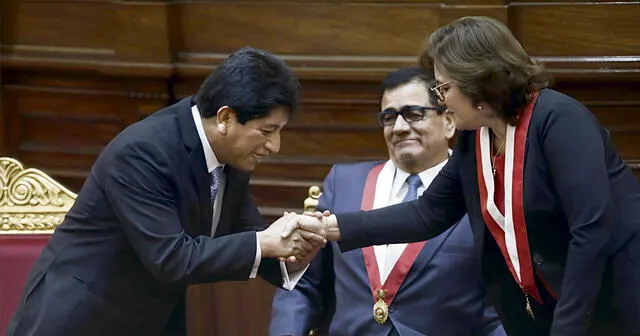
x=32, y=205
x=311, y=204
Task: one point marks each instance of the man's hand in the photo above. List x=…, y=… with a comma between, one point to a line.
x=323, y=224
x=295, y=264
x=298, y=245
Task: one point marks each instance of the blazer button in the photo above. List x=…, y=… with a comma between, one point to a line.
x=538, y=259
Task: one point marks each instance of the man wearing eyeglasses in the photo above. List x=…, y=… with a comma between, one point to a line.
x=423, y=288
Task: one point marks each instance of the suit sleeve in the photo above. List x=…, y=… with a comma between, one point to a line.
x=297, y=311
x=251, y=220
x=491, y=324
x=437, y=209
x=140, y=187
x=575, y=155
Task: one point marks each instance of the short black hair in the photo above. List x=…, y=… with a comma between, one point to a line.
x=250, y=81
x=403, y=76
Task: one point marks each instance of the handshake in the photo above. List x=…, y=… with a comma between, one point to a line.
x=298, y=238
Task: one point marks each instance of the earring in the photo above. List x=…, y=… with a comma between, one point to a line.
x=221, y=128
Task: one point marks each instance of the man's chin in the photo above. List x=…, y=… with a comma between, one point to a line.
x=247, y=168
x=408, y=156
x=250, y=164
x=244, y=166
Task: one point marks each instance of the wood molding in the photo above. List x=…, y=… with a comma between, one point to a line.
x=180, y=47
x=311, y=67
x=87, y=91
x=374, y=68
x=87, y=66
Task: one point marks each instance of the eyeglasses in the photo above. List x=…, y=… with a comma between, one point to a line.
x=410, y=113
x=440, y=91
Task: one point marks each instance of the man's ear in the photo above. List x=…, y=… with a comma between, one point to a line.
x=449, y=125
x=225, y=118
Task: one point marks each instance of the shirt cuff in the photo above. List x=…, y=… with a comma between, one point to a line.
x=256, y=261
x=290, y=279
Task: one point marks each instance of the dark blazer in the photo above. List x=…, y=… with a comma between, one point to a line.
x=442, y=288
x=138, y=234
x=582, y=211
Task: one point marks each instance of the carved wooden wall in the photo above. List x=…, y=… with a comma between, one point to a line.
x=75, y=73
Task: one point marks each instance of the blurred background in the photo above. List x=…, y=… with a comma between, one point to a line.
x=74, y=73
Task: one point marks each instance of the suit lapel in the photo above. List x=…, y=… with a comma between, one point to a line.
x=431, y=248
x=200, y=178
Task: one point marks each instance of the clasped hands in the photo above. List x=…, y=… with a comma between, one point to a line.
x=298, y=238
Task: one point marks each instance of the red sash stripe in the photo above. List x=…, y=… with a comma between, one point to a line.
x=511, y=226
x=404, y=263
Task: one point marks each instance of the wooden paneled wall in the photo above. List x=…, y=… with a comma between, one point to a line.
x=76, y=72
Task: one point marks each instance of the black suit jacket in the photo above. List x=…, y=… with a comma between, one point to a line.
x=582, y=211
x=138, y=234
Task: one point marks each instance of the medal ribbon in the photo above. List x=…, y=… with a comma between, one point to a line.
x=508, y=230
x=404, y=263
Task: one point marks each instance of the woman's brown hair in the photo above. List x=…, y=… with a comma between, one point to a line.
x=483, y=58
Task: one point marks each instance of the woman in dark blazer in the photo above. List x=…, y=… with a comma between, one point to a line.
x=554, y=205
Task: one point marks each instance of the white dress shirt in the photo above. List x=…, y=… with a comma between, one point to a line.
x=213, y=163
x=391, y=188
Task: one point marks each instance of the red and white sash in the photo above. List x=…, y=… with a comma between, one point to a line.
x=404, y=263
x=509, y=230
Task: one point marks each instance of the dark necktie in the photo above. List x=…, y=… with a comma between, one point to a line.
x=414, y=183
x=215, y=183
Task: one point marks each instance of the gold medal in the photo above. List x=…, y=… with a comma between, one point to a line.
x=380, y=309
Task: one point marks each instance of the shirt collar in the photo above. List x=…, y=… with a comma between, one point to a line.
x=426, y=176
x=209, y=156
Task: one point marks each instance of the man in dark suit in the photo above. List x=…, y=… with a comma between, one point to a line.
x=167, y=204
x=434, y=287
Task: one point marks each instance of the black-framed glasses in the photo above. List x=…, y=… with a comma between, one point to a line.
x=410, y=113
x=439, y=90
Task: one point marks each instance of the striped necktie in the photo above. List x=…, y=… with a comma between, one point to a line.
x=215, y=183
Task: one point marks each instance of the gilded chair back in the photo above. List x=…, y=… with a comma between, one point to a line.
x=32, y=205
x=31, y=202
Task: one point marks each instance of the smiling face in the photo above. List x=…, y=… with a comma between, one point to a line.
x=416, y=146
x=245, y=145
